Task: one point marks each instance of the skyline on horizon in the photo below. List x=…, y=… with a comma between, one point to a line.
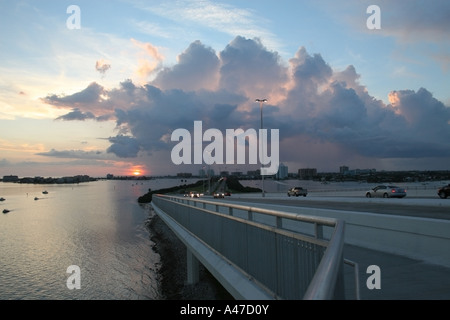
x=104, y=98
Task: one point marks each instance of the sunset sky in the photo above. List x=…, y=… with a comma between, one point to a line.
x=106, y=97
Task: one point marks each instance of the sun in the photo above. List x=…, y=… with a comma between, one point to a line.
x=136, y=170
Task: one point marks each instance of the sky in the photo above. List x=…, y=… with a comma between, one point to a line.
x=98, y=87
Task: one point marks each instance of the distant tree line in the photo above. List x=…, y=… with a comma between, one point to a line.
x=147, y=198
x=233, y=185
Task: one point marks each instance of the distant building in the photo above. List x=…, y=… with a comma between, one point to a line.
x=184, y=175
x=282, y=172
x=307, y=173
x=343, y=169
x=362, y=171
x=109, y=176
x=10, y=178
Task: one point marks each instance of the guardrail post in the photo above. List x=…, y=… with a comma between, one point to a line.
x=230, y=211
x=356, y=267
x=279, y=222
x=192, y=268
x=339, y=290
x=318, y=231
x=250, y=215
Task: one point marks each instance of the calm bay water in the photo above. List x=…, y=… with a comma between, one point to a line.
x=98, y=226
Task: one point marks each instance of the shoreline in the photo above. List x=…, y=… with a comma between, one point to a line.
x=172, y=272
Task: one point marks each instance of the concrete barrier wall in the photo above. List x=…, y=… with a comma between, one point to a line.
x=417, y=238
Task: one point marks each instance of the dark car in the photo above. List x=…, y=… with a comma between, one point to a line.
x=444, y=192
x=219, y=195
x=297, y=191
x=194, y=194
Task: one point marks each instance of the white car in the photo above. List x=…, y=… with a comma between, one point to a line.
x=386, y=191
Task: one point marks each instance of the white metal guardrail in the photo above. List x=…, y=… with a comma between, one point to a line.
x=290, y=256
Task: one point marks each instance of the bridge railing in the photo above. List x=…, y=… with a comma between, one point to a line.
x=291, y=256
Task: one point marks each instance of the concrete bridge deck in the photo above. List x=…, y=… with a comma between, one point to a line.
x=401, y=277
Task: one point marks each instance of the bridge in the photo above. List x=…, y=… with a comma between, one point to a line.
x=257, y=253
x=268, y=251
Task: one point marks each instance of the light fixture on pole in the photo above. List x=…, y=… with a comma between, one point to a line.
x=261, y=101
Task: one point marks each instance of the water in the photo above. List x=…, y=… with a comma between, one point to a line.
x=98, y=226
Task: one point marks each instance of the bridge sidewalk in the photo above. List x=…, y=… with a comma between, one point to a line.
x=401, y=278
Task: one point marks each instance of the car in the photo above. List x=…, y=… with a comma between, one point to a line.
x=386, y=191
x=219, y=195
x=194, y=194
x=297, y=191
x=444, y=192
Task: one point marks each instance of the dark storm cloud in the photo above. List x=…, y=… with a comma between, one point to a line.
x=310, y=68
x=124, y=146
x=164, y=111
x=89, y=96
x=314, y=105
x=76, y=114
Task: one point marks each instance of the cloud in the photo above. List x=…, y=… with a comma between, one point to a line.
x=197, y=68
x=149, y=59
x=90, y=96
x=250, y=68
x=422, y=112
x=76, y=114
x=412, y=21
x=4, y=163
x=416, y=21
x=124, y=146
x=102, y=66
x=220, y=17
x=314, y=107
x=75, y=154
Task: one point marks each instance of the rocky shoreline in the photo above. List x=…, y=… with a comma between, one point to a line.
x=172, y=270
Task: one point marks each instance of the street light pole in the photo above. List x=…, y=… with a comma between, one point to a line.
x=261, y=101
x=209, y=177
